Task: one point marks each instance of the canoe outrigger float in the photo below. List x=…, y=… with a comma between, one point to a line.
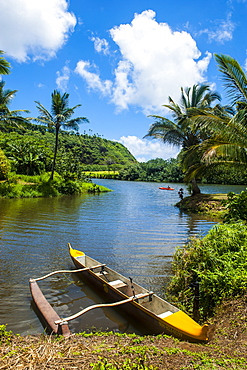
x=155, y=314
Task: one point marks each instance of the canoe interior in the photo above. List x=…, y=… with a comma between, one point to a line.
x=157, y=305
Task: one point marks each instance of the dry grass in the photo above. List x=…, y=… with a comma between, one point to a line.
x=226, y=350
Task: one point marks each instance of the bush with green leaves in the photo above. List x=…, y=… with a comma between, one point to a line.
x=4, y=166
x=236, y=205
x=218, y=262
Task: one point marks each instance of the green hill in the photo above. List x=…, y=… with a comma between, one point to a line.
x=30, y=152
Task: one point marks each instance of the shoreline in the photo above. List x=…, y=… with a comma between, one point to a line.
x=225, y=350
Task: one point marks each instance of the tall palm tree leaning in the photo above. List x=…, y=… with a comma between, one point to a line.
x=227, y=145
x=182, y=131
x=4, y=65
x=60, y=116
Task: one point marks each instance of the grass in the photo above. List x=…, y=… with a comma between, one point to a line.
x=226, y=349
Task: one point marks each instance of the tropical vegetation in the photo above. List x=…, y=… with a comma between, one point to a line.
x=4, y=65
x=60, y=116
x=217, y=262
x=226, y=147
x=9, y=118
x=182, y=131
x=212, y=137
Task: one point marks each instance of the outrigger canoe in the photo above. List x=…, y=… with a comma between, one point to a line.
x=156, y=315
x=162, y=188
x=153, y=312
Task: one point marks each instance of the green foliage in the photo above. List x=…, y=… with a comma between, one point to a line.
x=236, y=205
x=224, y=175
x=4, y=65
x=4, y=334
x=32, y=151
x=218, y=262
x=4, y=166
x=131, y=172
x=20, y=186
x=157, y=170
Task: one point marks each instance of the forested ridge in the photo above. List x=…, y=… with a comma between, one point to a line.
x=31, y=151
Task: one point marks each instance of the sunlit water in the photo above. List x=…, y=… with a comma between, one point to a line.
x=134, y=229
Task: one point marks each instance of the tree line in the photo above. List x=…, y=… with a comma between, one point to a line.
x=212, y=137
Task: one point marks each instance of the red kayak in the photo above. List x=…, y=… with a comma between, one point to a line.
x=166, y=188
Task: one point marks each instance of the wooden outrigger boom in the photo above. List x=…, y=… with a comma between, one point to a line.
x=102, y=305
x=53, y=323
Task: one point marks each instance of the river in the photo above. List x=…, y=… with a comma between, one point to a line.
x=134, y=229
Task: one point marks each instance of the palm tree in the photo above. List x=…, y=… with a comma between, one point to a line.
x=4, y=65
x=8, y=117
x=60, y=116
x=235, y=79
x=227, y=145
x=183, y=131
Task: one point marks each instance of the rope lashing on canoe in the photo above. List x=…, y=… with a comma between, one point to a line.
x=132, y=286
x=133, y=298
x=67, y=271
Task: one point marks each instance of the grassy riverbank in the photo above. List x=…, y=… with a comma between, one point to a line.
x=227, y=349
x=21, y=186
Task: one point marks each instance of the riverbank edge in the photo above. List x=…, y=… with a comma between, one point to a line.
x=204, y=204
x=23, y=189
x=226, y=348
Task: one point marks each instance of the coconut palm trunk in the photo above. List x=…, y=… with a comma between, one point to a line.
x=195, y=188
x=55, y=155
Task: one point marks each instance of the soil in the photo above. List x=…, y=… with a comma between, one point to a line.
x=227, y=348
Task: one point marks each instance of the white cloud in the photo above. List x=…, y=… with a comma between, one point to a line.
x=63, y=78
x=93, y=79
x=144, y=150
x=223, y=31
x=100, y=45
x=34, y=28
x=155, y=62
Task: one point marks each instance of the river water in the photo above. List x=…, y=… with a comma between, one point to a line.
x=134, y=229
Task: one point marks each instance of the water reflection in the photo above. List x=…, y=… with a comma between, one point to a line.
x=133, y=229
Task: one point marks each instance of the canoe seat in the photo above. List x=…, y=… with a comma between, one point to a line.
x=164, y=314
x=117, y=284
x=101, y=273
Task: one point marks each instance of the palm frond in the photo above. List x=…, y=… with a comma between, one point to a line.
x=234, y=78
x=4, y=65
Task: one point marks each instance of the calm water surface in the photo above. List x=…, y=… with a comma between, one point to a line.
x=134, y=229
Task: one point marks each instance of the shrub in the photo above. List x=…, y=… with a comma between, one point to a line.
x=4, y=166
x=218, y=262
x=236, y=205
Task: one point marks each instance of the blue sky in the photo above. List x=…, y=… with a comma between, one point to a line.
x=119, y=59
